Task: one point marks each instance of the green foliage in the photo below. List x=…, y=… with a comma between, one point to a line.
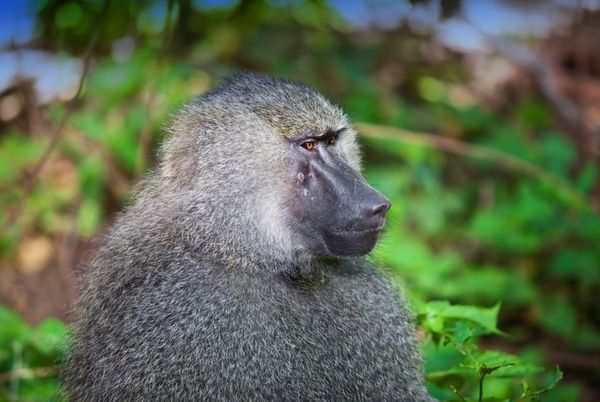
x=491, y=240
x=457, y=369
x=29, y=357
x=465, y=229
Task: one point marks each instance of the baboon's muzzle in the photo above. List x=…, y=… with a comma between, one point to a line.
x=336, y=209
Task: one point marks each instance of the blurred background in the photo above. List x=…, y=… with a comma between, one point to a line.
x=479, y=119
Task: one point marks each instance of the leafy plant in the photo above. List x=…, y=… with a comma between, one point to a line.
x=458, y=369
x=29, y=357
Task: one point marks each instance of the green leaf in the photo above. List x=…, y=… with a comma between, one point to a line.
x=49, y=336
x=431, y=89
x=587, y=177
x=528, y=391
x=14, y=329
x=486, y=318
x=502, y=364
x=68, y=16
x=89, y=217
x=16, y=153
x=91, y=177
x=455, y=377
x=559, y=154
x=462, y=332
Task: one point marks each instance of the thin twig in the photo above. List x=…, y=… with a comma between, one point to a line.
x=146, y=131
x=453, y=388
x=13, y=214
x=25, y=373
x=479, y=152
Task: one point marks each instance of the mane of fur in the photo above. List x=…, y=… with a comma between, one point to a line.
x=199, y=292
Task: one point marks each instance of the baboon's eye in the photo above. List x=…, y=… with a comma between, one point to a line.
x=332, y=140
x=309, y=145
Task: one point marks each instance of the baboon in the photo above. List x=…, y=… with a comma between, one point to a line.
x=238, y=271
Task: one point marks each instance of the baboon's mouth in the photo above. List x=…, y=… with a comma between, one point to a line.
x=357, y=232
x=352, y=242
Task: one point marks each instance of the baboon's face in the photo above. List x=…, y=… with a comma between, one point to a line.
x=334, y=210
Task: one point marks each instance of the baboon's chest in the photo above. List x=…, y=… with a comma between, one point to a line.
x=334, y=325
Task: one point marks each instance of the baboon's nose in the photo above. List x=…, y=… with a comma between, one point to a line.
x=374, y=207
x=379, y=209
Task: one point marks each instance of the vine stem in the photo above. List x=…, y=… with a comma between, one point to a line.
x=451, y=145
x=26, y=373
x=481, y=377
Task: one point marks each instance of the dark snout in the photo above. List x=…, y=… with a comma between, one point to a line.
x=352, y=213
x=335, y=210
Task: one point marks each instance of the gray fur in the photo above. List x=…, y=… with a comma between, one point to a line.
x=200, y=291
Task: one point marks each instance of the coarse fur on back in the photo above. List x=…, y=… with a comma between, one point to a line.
x=203, y=290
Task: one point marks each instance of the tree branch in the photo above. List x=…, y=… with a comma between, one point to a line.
x=14, y=212
x=476, y=151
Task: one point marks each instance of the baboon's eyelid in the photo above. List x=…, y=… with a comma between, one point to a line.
x=308, y=145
